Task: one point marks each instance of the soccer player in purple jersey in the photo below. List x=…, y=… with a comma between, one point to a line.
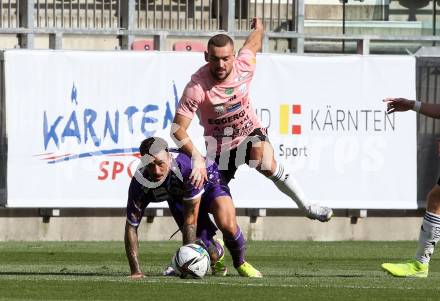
x=430, y=230
x=165, y=176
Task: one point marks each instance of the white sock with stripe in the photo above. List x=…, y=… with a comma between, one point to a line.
x=429, y=236
x=287, y=185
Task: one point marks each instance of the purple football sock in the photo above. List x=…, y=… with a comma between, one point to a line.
x=236, y=246
x=205, y=239
x=220, y=250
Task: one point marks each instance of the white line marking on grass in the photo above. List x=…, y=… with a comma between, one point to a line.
x=174, y=280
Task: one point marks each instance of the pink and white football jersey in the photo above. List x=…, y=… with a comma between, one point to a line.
x=224, y=109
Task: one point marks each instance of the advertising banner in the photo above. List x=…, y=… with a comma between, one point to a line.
x=75, y=120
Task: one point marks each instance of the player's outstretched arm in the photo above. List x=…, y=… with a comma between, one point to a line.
x=403, y=104
x=180, y=136
x=131, y=249
x=190, y=215
x=255, y=40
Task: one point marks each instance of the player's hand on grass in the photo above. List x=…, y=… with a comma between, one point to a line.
x=198, y=175
x=398, y=104
x=137, y=275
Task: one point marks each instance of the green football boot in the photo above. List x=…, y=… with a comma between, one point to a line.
x=411, y=268
x=247, y=270
x=219, y=268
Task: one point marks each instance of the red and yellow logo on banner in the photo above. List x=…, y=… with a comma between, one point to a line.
x=285, y=113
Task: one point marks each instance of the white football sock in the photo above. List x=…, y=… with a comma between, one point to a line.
x=429, y=236
x=287, y=185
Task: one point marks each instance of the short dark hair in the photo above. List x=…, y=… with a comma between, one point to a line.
x=220, y=40
x=152, y=146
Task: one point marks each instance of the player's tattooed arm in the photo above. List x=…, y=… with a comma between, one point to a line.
x=191, y=212
x=131, y=249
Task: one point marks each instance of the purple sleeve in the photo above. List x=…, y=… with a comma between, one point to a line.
x=135, y=204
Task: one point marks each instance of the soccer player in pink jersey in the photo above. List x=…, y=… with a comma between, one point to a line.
x=219, y=93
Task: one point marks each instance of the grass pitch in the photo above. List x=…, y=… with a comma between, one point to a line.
x=292, y=271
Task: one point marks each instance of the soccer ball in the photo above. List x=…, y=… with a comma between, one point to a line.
x=191, y=261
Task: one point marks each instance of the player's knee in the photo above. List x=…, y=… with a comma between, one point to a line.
x=228, y=229
x=266, y=167
x=255, y=161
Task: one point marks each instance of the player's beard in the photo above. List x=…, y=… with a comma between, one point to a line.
x=221, y=77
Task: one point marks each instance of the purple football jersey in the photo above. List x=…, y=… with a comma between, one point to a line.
x=175, y=188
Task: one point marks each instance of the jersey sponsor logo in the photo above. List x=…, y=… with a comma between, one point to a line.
x=226, y=120
x=232, y=98
x=243, y=88
x=242, y=76
x=226, y=132
x=248, y=125
x=219, y=109
x=229, y=91
x=247, y=131
x=233, y=107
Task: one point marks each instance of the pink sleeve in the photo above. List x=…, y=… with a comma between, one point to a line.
x=191, y=98
x=246, y=60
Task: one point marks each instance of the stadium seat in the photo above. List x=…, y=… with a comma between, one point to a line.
x=145, y=45
x=189, y=46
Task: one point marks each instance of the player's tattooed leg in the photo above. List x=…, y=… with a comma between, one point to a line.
x=189, y=234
